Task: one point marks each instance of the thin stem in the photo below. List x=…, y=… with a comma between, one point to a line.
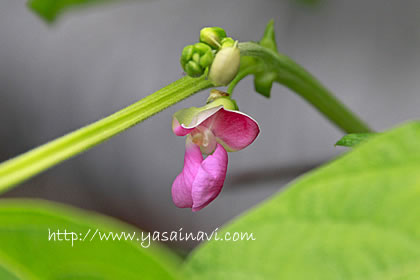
x=293, y=76
x=23, y=167
x=241, y=75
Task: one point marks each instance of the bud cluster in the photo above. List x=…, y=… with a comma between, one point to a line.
x=196, y=58
x=215, y=54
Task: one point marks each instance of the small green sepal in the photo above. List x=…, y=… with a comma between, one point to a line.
x=269, y=38
x=263, y=81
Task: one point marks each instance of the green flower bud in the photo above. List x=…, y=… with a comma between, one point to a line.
x=193, y=69
x=212, y=36
x=206, y=59
x=196, y=58
x=225, y=66
x=228, y=42
x=226, y=101
x=201, y=47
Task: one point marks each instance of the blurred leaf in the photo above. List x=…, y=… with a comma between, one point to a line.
x=353, y=139
x=49, y=10
x=355, y=218
x=26, y=251
x=6, y=274
x=309, y=2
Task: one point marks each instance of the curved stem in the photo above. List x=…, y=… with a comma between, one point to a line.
x=293, y=76
x=23, y=167
x=288, y=73
x=241, y=75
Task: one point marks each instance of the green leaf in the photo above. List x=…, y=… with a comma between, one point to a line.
x=6, y=274
x=49, y=10
x=26, y=251
x=354, y=218
x=353, y=139
x=309, y=2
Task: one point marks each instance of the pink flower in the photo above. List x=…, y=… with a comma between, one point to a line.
x=210, y=131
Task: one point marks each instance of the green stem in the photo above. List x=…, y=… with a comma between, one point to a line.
x=241, y=75
x=23, y=167
x=288, y=72
x=293, y=76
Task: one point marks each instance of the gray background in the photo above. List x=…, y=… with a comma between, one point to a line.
x=54, y=79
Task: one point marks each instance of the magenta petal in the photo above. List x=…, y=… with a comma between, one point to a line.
x=234, y=129
x=209, y=179
x=182, y=129
x=178, y=129
x=182, y=186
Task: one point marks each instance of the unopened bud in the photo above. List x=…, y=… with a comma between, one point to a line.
x=212, y=36
x=225, y=66
x=227, y=103
x=228, y=42
x=196, y=58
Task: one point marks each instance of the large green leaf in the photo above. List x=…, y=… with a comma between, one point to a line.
x=6, y=274
x=26, y=252
x=355, y=218
x=50, y=9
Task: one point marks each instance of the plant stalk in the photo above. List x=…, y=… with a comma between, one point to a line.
x=295, y=77
x=23, y=167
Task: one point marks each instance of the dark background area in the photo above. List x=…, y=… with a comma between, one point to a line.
x=92, y=62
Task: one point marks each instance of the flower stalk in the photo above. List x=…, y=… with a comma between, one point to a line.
x=23, y=167
x=263, y=61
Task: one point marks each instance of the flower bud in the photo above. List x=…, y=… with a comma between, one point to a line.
x=227, y=102
x=214, y=94
x=218, y=98
x=212, y=36
x=225, y=66
x=193, y=69
x=196, y=58
x=228, y=42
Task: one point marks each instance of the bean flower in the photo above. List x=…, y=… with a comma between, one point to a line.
x=212, y=131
